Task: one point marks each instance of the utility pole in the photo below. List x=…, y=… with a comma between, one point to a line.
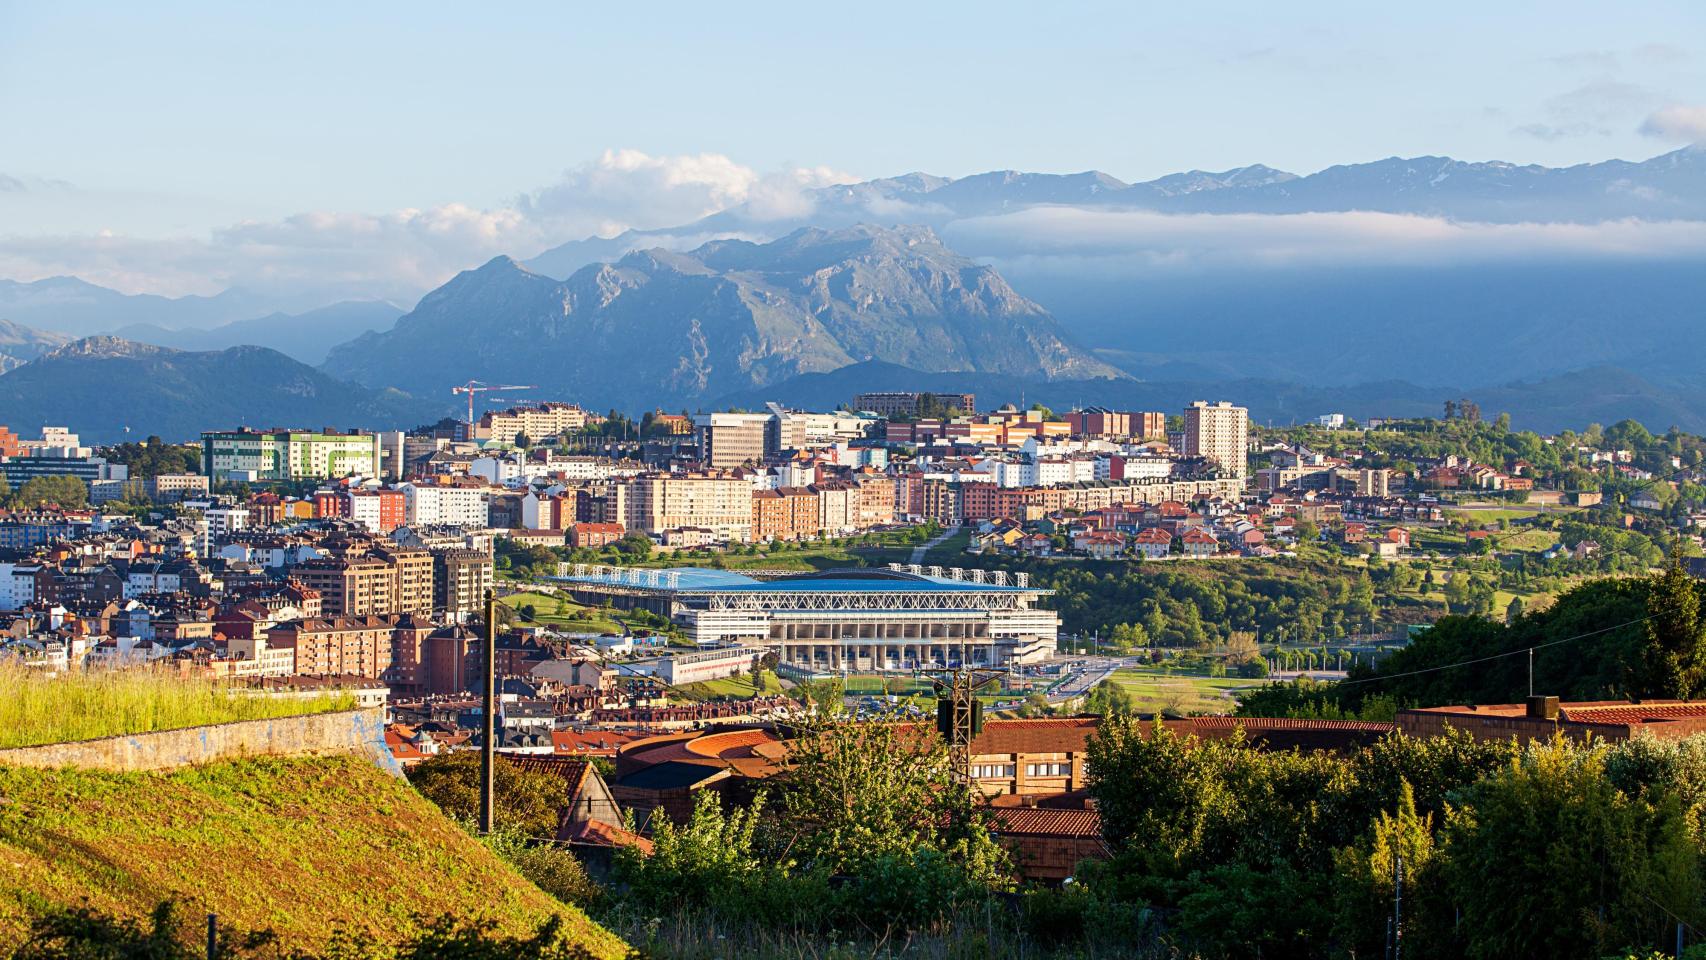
x=1397, y=906
x=488, y=719
x=959, y=715
x=1531, y=671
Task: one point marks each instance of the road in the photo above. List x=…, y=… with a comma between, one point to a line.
x=918, y=552
x=1084, y=674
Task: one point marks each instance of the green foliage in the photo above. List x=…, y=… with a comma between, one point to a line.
x=552, y=868
x=1674, y=659
x=67, y=492
x=1599, y=620
x=154, y=456
x=1108, y=699
x=1577, y=864
x=1590, y=848
x=524, y=801
x=1367, y=881
x=855, y=793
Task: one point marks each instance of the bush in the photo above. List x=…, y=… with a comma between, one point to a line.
x=552, y=868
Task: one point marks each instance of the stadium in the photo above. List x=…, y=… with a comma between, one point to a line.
x=862, y=619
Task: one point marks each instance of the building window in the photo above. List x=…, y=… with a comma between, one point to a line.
x=990, y=771
x=1048, y=769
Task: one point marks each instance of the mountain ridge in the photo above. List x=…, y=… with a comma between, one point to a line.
x=108, y=384
x=666, y=326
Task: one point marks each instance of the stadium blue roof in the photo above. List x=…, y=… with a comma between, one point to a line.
x=852, y=580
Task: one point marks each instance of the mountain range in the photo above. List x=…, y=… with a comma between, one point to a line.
x=78, y=308
x=664, y=327
x=306, y=336
x=1671, y=186
x=938, y=282
x=107, y=389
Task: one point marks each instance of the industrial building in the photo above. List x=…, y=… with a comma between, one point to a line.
x=899, y=618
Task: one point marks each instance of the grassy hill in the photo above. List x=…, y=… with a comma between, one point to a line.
x=301, y=846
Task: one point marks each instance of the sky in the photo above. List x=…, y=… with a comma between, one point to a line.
x=175, y=147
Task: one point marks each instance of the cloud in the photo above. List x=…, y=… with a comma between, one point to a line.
x=628, y=189
x=404, y=253
x=1598, y=108
x=1677, y=122
x=1141, y=239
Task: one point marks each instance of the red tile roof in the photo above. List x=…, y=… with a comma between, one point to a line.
x=1039, y=821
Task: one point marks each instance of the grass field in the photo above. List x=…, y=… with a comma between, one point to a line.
x=1155, y=690
x=302, y=847
x=562, y=612
x=740, y=687
x=37, y=708
x=1485, y=515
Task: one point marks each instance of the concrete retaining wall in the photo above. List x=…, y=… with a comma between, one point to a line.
x=352, y=731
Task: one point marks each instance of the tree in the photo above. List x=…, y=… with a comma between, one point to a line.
x=1108, y=699
x=1367, y=877
x=1622, y=869
x=1674, y=659
x=522, y=440
x=64, y=491
x=524, y=801
x=857, y=794
x=1513, y=611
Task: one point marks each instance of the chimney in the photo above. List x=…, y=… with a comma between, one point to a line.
x=1543, y=708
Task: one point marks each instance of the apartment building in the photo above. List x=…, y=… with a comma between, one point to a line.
x=250, y=455
x=1220, y=433
x=325, y=646
x=382, y=581
x=902, y=404
x=449, y=503
x=716, y=502
x=380, y=511
x=538, y=421
x=460, y=579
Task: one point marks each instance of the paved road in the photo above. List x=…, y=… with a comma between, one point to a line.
x=918, y=552
x=1086, y=673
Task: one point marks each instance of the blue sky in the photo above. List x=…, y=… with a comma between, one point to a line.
x=172, y=121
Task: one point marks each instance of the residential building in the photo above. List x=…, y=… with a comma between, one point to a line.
x=328, y=646
x=447, y=503
x=1220, y=433
x=716, y=502
x=274, y=455
x=892, y=404
x=460, y=579
x=380, y=511
x=539, y=422
x=383, y=581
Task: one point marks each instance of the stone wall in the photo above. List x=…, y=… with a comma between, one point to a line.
x=351, y=731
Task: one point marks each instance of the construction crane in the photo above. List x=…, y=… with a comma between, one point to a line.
x=473, y=387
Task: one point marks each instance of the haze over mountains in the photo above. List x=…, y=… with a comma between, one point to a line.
x=658, y=326
x=1561, y=295
x=113, y=389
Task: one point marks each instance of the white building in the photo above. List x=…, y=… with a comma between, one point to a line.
x=1220, y=433
x=432, y=505
x=18, y=585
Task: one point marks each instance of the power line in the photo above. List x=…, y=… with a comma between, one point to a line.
x=1496, y=656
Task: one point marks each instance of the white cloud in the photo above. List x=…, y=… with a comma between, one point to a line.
x=1677, y=122
x=404, y=253
x=628, y=189
x=1136, y=239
